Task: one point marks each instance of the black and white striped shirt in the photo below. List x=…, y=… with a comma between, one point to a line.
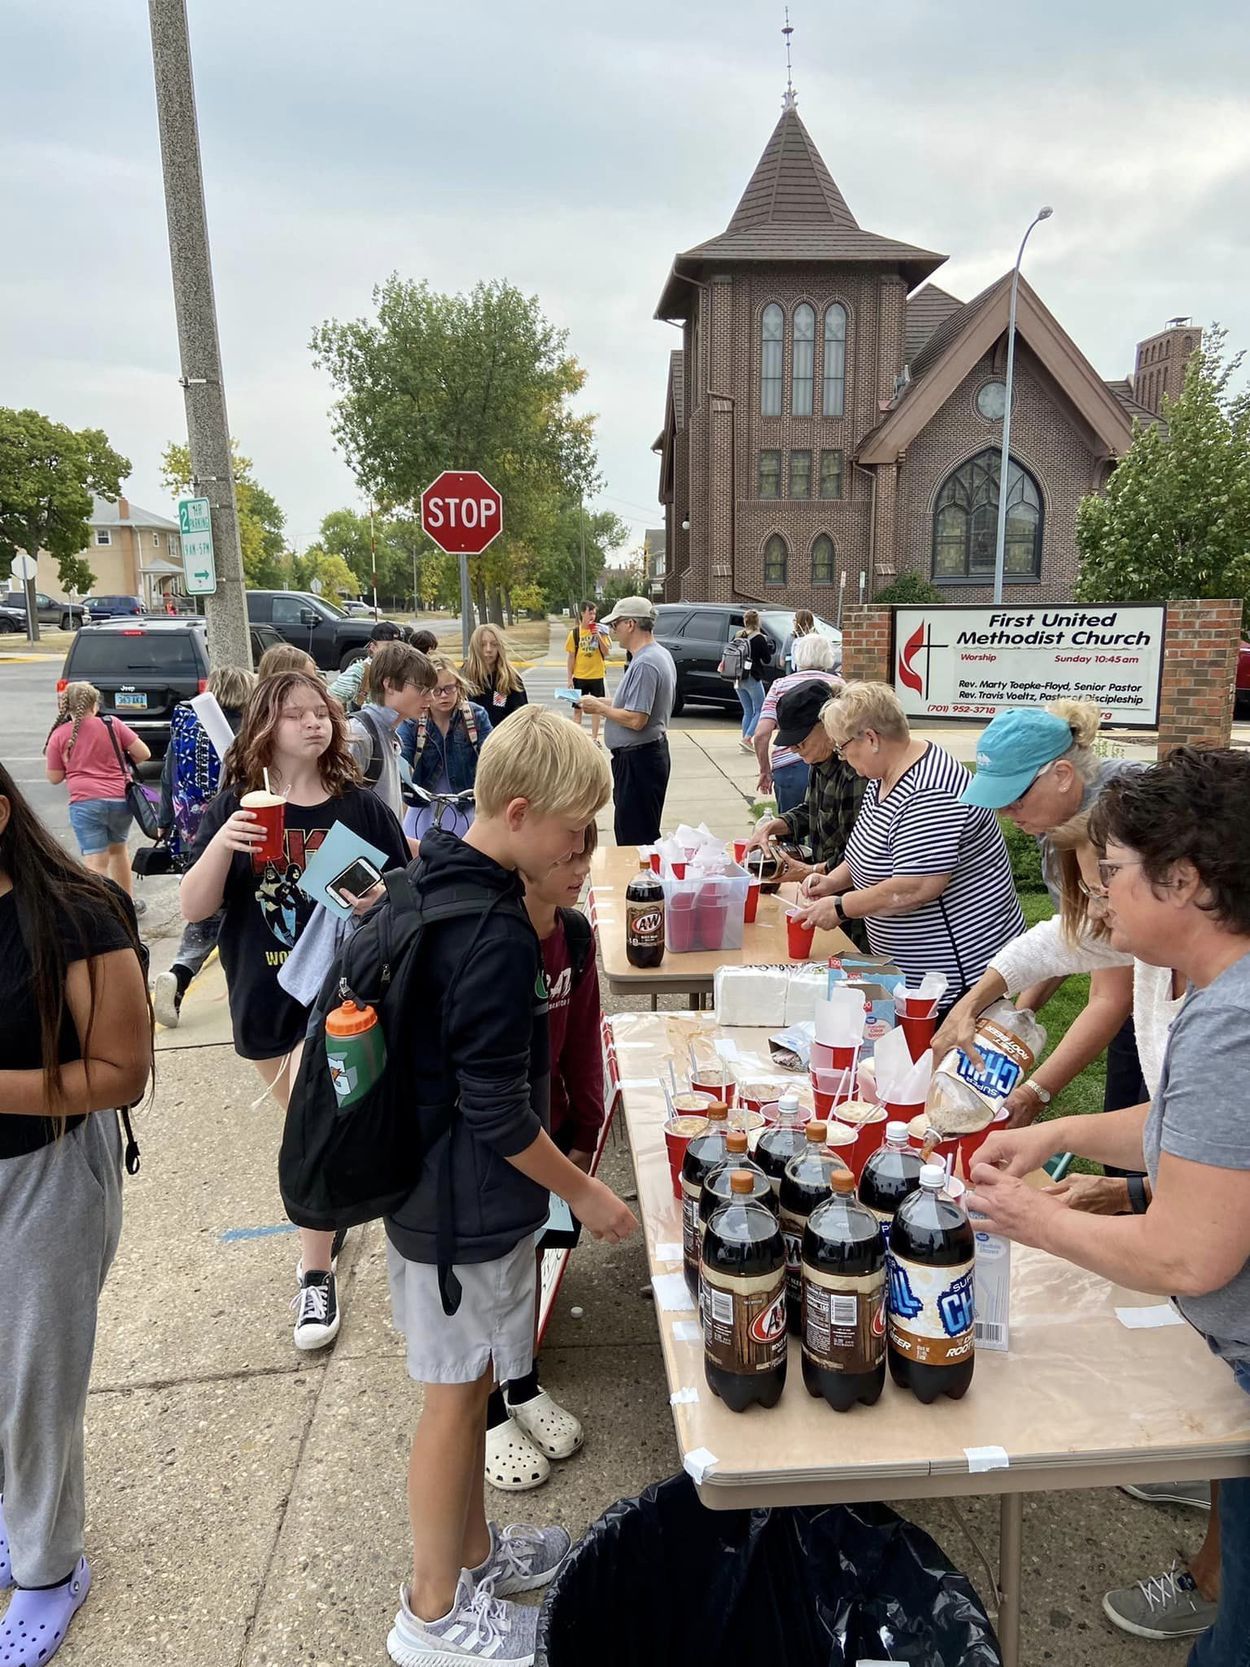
x=921, y=828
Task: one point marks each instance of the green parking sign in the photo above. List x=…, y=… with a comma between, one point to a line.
x=198, y=565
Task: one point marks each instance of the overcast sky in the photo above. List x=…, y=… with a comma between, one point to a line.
x=573, y=149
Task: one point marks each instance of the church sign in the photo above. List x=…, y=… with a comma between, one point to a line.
x=973, y=662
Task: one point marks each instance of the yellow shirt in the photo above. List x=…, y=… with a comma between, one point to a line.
x=589, y=663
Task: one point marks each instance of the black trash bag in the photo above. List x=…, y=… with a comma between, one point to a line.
x=660, y=1580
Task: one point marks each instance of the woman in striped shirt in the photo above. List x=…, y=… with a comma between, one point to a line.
x=931, y=876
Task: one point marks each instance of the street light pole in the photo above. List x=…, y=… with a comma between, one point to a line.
x=1000, y=541
x=199, y=350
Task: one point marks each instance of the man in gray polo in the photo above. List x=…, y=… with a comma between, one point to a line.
x=636, y=723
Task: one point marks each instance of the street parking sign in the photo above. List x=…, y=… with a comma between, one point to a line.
x=461, y=512
x=198, y=564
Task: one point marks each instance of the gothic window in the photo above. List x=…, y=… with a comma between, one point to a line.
x=965, y=522
x=833, y=403
x=776, y=560
x=772, y=329
x=822, y=560
x=770, y=474
x=802, y=361
x=800, y=474
x=832, y=467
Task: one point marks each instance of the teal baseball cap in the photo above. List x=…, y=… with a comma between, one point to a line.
x=1012, y=752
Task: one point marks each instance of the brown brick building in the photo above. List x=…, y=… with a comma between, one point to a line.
x=830, y=414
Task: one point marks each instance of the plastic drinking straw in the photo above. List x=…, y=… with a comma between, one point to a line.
x=265, y=773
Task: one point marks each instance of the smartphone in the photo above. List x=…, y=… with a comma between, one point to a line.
x=358, y=878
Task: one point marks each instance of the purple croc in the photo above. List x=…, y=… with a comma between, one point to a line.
x=34, y=1628
x=6, y=1562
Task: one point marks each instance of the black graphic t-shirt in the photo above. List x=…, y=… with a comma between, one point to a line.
x=266, y=911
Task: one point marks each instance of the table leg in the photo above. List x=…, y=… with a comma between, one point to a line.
x=655, y=1003
x=1010, y=1557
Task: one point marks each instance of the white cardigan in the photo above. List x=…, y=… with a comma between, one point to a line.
x=1044, y=952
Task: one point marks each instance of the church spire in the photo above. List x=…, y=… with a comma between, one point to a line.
x=790, y=100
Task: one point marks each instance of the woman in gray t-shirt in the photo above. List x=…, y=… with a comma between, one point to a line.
x=1176, y=876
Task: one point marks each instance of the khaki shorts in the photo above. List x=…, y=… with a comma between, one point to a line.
x=494, y=1323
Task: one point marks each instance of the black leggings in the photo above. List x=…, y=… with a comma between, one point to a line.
x=1125, y=1084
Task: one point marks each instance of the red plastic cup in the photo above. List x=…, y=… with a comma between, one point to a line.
x=869, y=1135
x=654, y=860
x=679, y=1131
x=740, y=850
x=831, y=1088
x=270, y=812
x=751, y=903
x=917, y=1020
x=716, y=1081
x=957, y=1151
x=840, y=1139
x=683, y=923
x=799, y=938
x=678, y=870
x=832, y=1059
x=754, y=1096
x=712, y=910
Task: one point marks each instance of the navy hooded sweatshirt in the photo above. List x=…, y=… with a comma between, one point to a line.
x=479, y=1039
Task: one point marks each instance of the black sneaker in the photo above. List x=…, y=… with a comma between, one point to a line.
x=317, y=1318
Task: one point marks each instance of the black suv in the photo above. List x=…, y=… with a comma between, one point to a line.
x=48, y=611
x=144, y=667
x=695, y=634
x=313, y=624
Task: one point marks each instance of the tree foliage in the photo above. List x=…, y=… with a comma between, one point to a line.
x=479, y=381
x=623, y=581
x=405, y=556
x=261, y=521
x=337, y=578
x=1175, y=519
x=558, y=571
x=48, y=473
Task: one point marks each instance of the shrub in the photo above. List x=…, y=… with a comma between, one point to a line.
x=909, y=588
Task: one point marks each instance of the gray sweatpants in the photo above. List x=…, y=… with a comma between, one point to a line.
x=60, y=1219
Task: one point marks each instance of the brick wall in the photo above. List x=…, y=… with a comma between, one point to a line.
x=866, y=644
x=1199, y=669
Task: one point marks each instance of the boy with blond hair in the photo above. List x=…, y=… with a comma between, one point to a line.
x=481, y=1045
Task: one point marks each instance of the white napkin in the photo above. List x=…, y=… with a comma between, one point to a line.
x=750, y=995
x=805, y=988
x=840, y=1018
x=899, y=1081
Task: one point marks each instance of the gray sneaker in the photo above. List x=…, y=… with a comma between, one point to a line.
x=1197, y=1495
x=1169, y=1606
x=480, y=1627
x=523, y=1558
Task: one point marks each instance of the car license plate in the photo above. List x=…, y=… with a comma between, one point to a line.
x=127, y=700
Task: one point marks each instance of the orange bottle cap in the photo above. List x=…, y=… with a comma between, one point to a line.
x=736, y=1140
x=350, y=1020
x=816, y=1133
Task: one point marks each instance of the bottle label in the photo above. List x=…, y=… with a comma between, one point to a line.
x=343, y=1076
x=792, y=1237
x=931, y=1311
x=844, y=1320
x=644, y=925
x=691, y=1227
x=744, y=1321
x=1007, y=1063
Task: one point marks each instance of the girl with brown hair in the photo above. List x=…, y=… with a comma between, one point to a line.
x=293, y=740
x=490, y=677
x=75, y=1042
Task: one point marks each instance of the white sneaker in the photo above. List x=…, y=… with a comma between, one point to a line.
x=513, y=1463
x=553, y=1431
x=478, y=1627
x=166, y=1000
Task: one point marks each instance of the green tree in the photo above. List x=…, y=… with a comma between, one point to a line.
x=337, y=578
x=478, y=381
x=559, y=568
x=261, y=521
x=622, y=581
x=48, y=473
x=1175, y=519
x=909, y=588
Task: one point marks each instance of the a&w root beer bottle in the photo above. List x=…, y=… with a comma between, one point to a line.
x=744, y=1301
x=932, y=1301
x=843, y=1300
x=644, y=919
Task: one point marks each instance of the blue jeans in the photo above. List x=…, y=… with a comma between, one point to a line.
x=99, y=823
x=790, y=785
x=751, y=694
x=1227, y=1643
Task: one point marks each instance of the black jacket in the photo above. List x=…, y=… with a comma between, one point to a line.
x=479, y=1038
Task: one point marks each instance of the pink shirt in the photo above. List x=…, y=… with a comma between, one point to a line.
x=782, y=686
x=91, y=770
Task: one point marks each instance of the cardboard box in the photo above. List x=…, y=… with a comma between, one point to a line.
x=877, y=980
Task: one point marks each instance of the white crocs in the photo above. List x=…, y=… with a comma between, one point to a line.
x=513, y=1463
x=553, y=1431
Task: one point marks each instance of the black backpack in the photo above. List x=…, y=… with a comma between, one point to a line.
x=580, y=937
x=381, y=740
x=340, y=1165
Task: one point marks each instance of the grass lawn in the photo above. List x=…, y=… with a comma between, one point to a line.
x=1084, y=1093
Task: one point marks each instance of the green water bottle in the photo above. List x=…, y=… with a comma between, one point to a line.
x=355, y=1050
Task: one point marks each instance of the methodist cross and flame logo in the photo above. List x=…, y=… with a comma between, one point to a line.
x=918, y=646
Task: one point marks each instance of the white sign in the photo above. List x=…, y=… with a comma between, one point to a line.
x=24, y=567
x=973, y=662
x=198, y=565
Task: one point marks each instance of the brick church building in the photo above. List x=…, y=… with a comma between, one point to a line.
x=833, y=412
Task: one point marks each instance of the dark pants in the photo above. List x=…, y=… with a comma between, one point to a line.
x=1125, y=1084
x=790, y=785
x=639, y=783
x=1226, y=1643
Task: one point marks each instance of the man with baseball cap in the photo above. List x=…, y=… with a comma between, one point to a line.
x=346, y=687
x=636, y=723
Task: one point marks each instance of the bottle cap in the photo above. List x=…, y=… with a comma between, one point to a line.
x=736, y=1141
x=842, y=1181
x=895, y=1133
x=350, y=1020
x=933, y=1177
x=787, y=1101
x=742, y=1181
x=717, y=1111
x=816, y=1133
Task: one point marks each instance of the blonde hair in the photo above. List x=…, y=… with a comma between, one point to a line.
x=232, y=686
x=539, y=756
x=751, y=620
x=1084, y=720
x=79, y=701
x=1068, y=840
x=285, y=657
x=862, y=706
x=505, y=679
x=442, y=663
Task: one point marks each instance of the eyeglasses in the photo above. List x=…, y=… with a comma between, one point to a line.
x=1092, y=894
x=446, y=689
x=1107, y=871
x=1043, y=771
x=839, y=747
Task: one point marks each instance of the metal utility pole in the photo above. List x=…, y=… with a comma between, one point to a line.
x=1004, y=466
x=199, y=351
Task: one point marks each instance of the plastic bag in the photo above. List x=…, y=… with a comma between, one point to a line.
x=661, y=1580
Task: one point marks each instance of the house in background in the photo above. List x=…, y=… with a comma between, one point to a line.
x=653, y=562
x=832, y=413
x=133, y=552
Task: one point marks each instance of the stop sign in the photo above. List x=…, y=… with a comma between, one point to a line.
x=462, y=512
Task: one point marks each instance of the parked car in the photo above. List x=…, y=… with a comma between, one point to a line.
x=115, y=607
x=144, y=667
x=310, y=622
x=360, y=610
x=48, y=611
x=1241, y=696
x=695, y=634
x=11, y=619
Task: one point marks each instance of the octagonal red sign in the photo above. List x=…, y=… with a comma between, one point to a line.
x=461, y=512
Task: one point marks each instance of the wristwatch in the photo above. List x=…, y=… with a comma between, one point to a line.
x=838, y=909
x=1043, y=1094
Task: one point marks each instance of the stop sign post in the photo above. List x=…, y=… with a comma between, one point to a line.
x=462, y=513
